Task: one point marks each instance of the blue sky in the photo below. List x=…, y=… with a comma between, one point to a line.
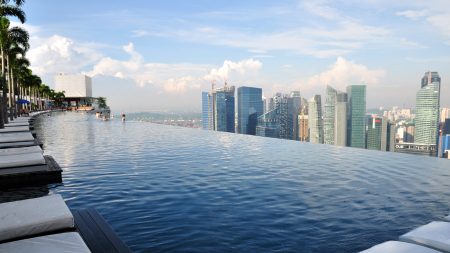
x=160, y=55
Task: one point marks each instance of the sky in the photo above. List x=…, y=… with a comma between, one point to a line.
x=160, y=55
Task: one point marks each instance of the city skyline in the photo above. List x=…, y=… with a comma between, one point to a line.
x=163, y=54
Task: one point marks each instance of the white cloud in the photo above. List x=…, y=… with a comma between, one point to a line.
x=229, y=68
x=172, y=78
x=60, y=54
x=441, y=22
x=343, y=73
x=320, y=8
x=412, y=14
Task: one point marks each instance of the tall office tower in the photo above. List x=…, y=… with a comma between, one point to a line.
x=356, y=116
x=380, y=134
x=224, y=109
x=340, y=119
x=303, y=129
x=374, y=129
x=276, y=122
x=427, y=110
x=205, y=110
x=329, y=115
x=315, y=120
x=294, y=105
x=250, y=107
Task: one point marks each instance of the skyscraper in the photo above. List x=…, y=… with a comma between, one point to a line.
x=340, y=120
x=315, y=120
x=356, y=127
x=205, y=110
x=294, y=109
x=303, y=128
x=427, y=110
x=224, y=109
x=329, y=115
x=276, y=122
x=250, y=107
x=374, y=129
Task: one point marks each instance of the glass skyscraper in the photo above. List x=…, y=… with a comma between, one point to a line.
x=277, y=121
x=356, y=116
x=224, y=109
x=427, y=110
x=340, y=119
x=329, y=115
x=205, y=110
x=315, y=120
x=374, y=129
x=250, y=107
x=294, y=107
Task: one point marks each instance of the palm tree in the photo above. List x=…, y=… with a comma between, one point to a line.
x=8, y=10
x=19, y=68
x=13, y=41
x=12, y=10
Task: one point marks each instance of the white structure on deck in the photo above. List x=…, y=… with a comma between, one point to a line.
x=77, y=89
x=76, y=85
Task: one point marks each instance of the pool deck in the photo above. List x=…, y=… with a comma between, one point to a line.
x=44, y=224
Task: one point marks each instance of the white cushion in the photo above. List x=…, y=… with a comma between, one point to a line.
x=64, y=242
x=15, y=129
x=18, y=160
x=16, y=124
x=435, y=234
x=34, y=216
x=398, y=247
x=13, y=137
x=23, y=150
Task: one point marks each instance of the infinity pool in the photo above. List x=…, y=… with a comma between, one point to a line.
x=171, y=189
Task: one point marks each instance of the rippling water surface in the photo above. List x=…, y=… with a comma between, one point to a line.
x=171, y=189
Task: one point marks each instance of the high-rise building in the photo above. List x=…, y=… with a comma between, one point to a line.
x=427, y=110
x=374, y=128
x=250, y=107
x=303, y=128
x=340, y=119
x=294, y=106
x=356, y=116
x=224, y=109
x=380, y=134
x=329, y=115
x=276, y=122
x=205, y=110
x=315, y=120
x=335, y=117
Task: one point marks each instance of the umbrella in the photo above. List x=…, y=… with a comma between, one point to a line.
x=23, y=101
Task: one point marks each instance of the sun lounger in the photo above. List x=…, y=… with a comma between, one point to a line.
x=22, y=150
x=17, y=124
x=447, y=218
x=34, y=216
x=15, y=129
x=16, y=137
x=434, y=235
x=398, y=247
x=21, y=160
x=4, y=145
x=64, y=242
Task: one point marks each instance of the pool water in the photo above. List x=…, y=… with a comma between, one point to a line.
x=173, y=189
